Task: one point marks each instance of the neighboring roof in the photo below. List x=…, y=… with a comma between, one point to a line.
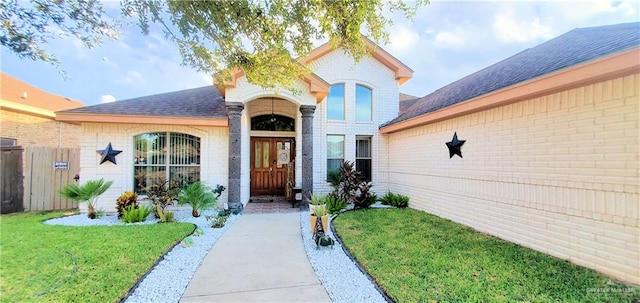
x=573, y=48
x=407, y=102
x=405, y=97
x=26, y=97
x=200, y=103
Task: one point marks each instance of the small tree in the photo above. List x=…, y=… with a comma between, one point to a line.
x=199, y=196
x=87, y=193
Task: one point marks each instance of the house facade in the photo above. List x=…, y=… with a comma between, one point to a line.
x=548, y=158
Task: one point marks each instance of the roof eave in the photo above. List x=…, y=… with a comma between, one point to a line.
x=78, y=118
x=612, y=66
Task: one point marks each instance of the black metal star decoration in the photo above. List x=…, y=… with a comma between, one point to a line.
x=109, y=154
x=454, y=146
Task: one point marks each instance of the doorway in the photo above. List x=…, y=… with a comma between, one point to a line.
x=269, y=160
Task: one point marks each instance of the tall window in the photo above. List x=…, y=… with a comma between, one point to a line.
x=165, y=156
x=363, y=156
x=363, y=103
x=335, y=102
x=335, y=152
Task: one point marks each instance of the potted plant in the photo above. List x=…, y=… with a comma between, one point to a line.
x=319, y=213
x=316, y=201
x=86, y=193
x=199, y=196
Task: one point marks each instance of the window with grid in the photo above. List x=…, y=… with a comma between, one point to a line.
x=335, y=102
x=363, y=156
x=363, y=103
x=335, y=152
x=165, y=156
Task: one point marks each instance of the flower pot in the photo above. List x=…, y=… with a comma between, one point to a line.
x=325, y=222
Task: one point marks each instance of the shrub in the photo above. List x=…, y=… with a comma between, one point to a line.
x=126, y=199
x=218, y=221
x=364, y=197
x=396, y=200
x=133, y=215
x=162, y=192
x=199, y=196
x=335, y=204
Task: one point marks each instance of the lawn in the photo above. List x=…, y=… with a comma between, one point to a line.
x=45, y=263
x=418, y=257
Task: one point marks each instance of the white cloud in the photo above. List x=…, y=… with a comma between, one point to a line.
x=508, y=27
x=450, y=39
x=402, y=39
x=107, y=98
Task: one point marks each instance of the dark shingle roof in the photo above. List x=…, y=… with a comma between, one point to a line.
x=201, y=102
x=575, y=47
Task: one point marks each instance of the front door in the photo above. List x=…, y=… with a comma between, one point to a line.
x=269, y=157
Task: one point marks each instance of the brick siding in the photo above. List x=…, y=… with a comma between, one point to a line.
x=558, y=173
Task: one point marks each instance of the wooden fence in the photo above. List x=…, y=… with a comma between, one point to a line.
x=11, y=187
x=46, y=171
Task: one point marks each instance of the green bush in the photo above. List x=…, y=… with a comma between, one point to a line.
x=335, y=204
x=199, y=196
x=133, y=215
x=396, y=200
x=126, y=199
x=217, y=221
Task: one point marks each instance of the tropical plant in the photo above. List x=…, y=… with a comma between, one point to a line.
x=396, y=200
x=334, y=177
x=335, y=204
x=364, y=197
x=218, y=221
x=316, y=199
x=162, y=192
x=320, y=211
x=124, y=200
x=350, y=181
x=86, y=193
x=199, y=196
x=133, y=215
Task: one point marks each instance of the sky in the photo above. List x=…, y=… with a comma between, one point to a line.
x=446, y=41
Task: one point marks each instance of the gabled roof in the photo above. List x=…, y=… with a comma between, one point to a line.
x=571, y=49
x=402, y=72
x=196, y=106
x=319, y=87
x=19, y=95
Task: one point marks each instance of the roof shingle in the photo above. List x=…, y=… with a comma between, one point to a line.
x=201, y=102
x=573, y=48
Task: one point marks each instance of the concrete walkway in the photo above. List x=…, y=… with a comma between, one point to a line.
x=259, y=259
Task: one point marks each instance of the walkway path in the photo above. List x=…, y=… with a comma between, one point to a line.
x=259, y=259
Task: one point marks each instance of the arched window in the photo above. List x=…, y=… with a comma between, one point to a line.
x=335, y=102
x=273, y=123
x=363, y=103
x=165, y=156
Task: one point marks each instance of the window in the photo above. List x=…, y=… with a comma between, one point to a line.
x=335, y=102
x=363, y=156
x=165, y=156
x=335, y=152
x=8, y=142
x=363, y=103
x=273, y=123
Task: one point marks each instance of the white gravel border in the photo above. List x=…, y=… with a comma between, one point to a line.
x=338, y=274
x=167, y=281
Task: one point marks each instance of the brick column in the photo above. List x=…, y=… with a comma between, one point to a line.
x=234, y=110
x=307, y=153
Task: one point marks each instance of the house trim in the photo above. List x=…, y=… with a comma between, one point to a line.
x=77, y=118
x=617, y=65
x=27, y=109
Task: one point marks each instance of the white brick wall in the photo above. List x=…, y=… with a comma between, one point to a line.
x=337, y=67
x=559, y=173
x=214, y=143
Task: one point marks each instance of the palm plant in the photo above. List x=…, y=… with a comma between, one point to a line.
x=86, y=193
x=199, y=196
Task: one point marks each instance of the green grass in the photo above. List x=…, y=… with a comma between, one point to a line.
x=418, y=257
x=38, y=260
